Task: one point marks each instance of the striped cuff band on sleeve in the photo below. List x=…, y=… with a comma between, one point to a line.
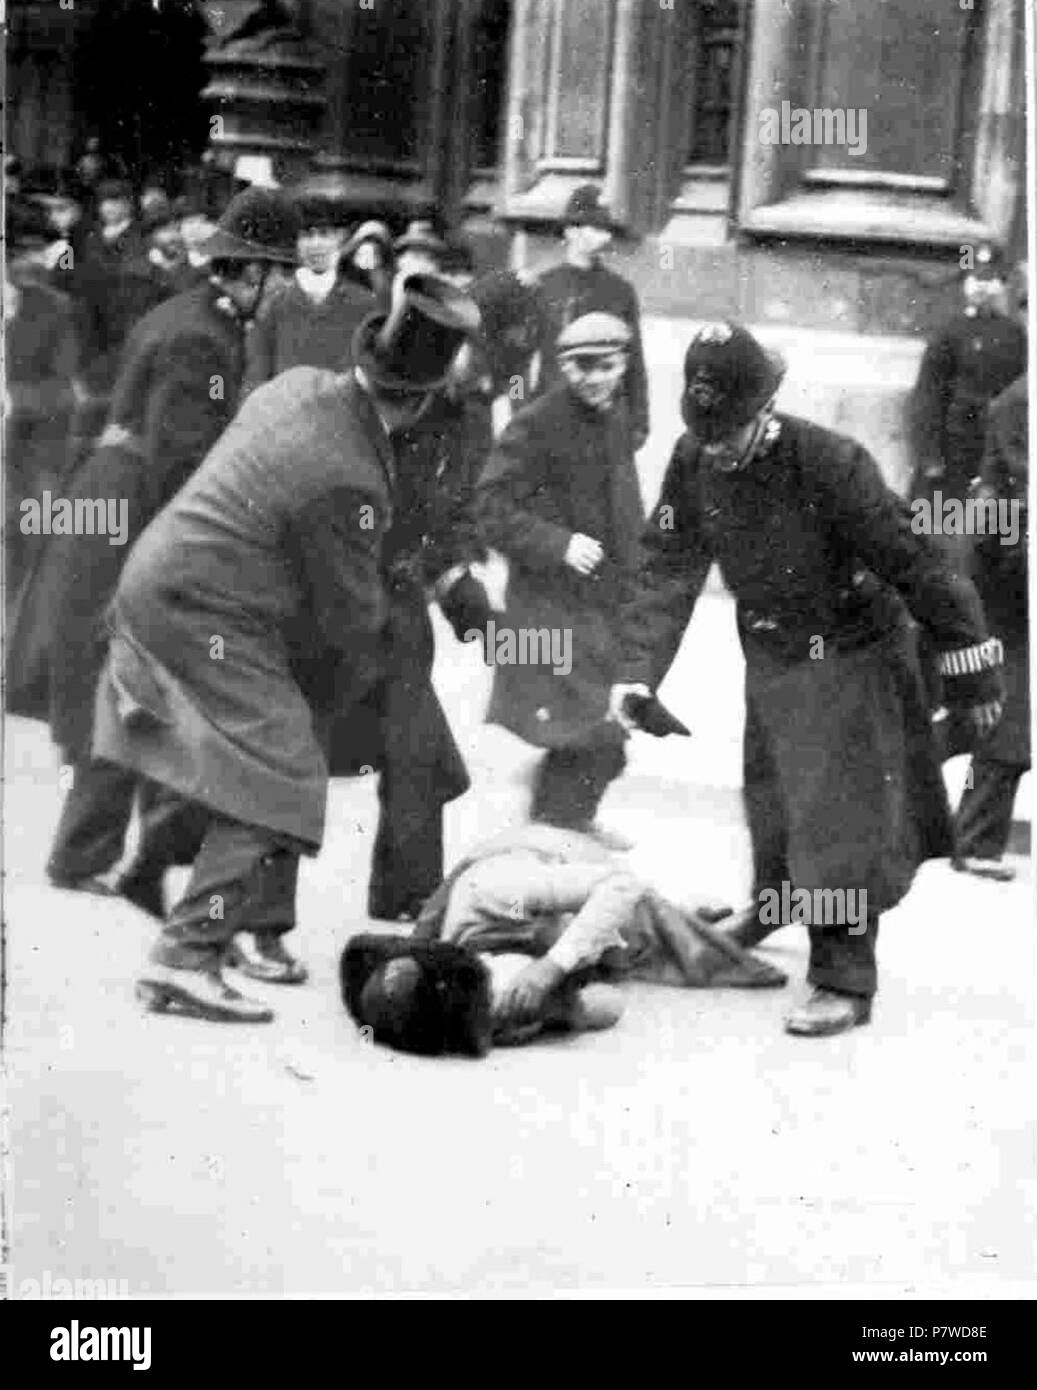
x=982, y=656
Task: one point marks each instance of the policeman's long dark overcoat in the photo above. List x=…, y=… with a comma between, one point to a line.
x=560, y=468
x=254, y=611
x=972, y=358
x=842, y=779
x=1001, y=570
x=175, y=393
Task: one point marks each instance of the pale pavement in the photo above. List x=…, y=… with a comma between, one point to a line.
x=694, y=1146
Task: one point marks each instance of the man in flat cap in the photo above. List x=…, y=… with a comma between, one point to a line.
x=253, y=624
x=560, y=500
x=843, y=790
x=583, y=284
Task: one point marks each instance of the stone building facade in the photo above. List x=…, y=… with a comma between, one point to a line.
x=689, y=113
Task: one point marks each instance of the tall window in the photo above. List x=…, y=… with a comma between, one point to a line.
x=714, y=88
x=490, y=75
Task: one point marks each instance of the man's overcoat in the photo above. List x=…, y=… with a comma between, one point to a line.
x=969, y=361
x=254, y=613
x=559, y=468
x=176, y=391
x=1002, y=573
x=842, y=780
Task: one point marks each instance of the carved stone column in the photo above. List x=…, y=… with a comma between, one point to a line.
x=266, y=87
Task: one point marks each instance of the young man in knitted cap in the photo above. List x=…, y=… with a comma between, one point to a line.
x=583, y=284
x=843, y=789
x=560, y=500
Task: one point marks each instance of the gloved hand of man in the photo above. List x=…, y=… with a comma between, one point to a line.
x=466, y=607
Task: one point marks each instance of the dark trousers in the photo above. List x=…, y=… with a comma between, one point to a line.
x=843, y=961
x=984, y=820
x=407, y=862
x=94, y=819
x=243, y=879
x=839, y=959
x=569, y=782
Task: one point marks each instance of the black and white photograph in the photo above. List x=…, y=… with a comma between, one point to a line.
x=516, y=718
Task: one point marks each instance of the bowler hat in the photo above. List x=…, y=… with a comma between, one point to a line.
x=429, y=997
x=258, y=224
x=584, y=208
x=592, y=335
x=420, y=235
x=411, y=347
x=728, y=377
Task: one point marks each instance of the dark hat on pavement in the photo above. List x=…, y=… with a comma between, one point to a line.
x=428, y=997
x=728, y=377
x=420, y=236
x=593, y=335
x=411, y=347
x=258, y=224
x=651, y=716
x=584, y=208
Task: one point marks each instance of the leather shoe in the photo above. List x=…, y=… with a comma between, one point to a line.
x=145, y=893
x=198, y=994
x=262, y=956
x=827, y=1012
x=984, y=868
x=90, y=883
x=746, y=930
